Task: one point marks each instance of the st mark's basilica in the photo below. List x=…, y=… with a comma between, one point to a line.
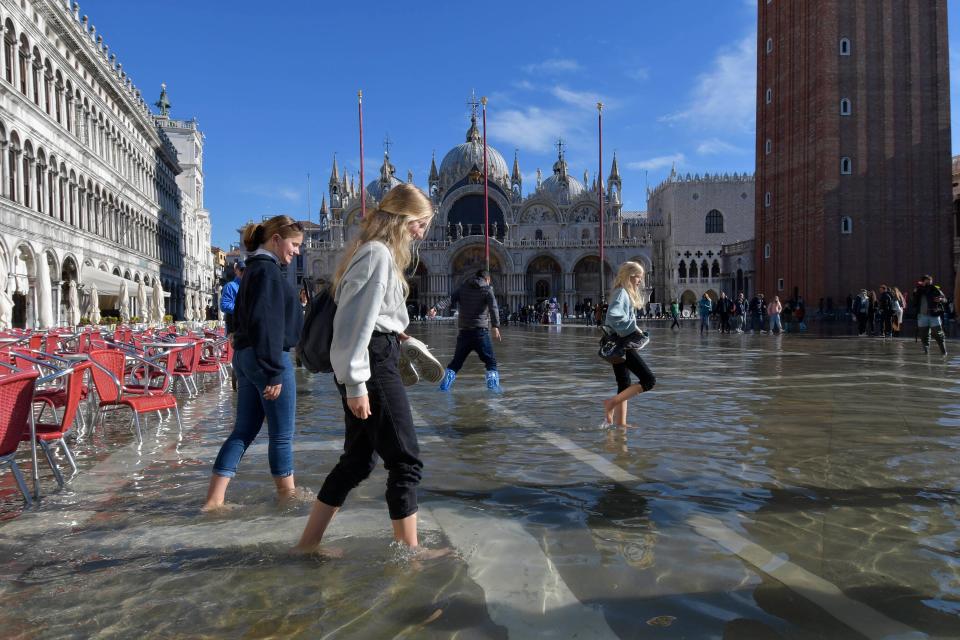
x=543, y=244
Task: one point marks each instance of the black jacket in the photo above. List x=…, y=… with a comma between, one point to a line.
x=267, y=315
x=478, y=305
x=936, y=300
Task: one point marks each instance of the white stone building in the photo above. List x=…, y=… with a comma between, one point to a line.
x=88, y=180
x=700, y=216
x=543, y=244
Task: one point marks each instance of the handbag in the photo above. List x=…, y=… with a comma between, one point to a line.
x=613, y=348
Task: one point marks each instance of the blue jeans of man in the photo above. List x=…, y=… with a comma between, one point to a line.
x=473, y=340
x=775, y=325
x=252, y=409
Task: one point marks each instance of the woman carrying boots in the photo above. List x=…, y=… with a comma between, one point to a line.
x=370, y=291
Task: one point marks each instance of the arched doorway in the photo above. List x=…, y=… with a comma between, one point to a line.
x=688, y=301
x=467, y=211
x=24, y=272
x=544, y=278
x=586, y=278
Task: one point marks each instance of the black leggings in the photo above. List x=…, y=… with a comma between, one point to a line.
x=633, y=364
x=388, y=433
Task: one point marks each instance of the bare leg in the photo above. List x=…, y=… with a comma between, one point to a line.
x=620, y=414
x=320, y=517
x=285, y=487
x=405, y=530
x=216, y=492
x=610, y=404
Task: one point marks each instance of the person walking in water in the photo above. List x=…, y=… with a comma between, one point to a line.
x=266, y=324
x=228, y=300
x=370, y=291
x=930, y=303
x=622, y=319
x=774, y=309
x=675, y=314
x=705, y=308
x=479, y=318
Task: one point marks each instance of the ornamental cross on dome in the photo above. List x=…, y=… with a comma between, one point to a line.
x=560, y=145
x=473, y=103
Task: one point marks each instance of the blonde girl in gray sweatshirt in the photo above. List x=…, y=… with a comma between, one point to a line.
x=370, y=291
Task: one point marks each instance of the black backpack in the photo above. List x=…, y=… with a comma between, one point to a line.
x=317, y=333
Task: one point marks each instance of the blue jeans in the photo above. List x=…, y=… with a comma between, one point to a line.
x=252, y=409
x=925, y=320
x=473, y=340
x=775, y=324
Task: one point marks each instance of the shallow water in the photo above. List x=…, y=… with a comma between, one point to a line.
x=771, y=487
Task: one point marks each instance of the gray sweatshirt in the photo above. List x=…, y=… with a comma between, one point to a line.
x=369, y=298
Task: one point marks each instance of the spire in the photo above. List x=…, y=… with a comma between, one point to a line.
x=560, y=166
x=409, y=176
x=323, y=206
x=615, y=168
x=164, y=102
x=515, y=174
x=586, y=178
x=335, y=174
x=434, y=174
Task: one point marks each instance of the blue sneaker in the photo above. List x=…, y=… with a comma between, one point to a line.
x=493, y=381
x=448, y=379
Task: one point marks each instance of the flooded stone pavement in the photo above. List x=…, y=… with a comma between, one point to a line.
x=770, y=487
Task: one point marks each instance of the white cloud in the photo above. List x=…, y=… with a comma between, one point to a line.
x=716, y=146
x=531, y=128
x=660, y=162
x=724, y=98
x=582, y=99
x=554, y=66
x=526, y=85
x=270, y=191
x=638, y=73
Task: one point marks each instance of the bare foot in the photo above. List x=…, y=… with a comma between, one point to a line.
x=294, y=495
x=221, y=507
x=422, y=553
x=608, y=408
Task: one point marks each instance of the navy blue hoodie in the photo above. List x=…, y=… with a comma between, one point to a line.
x=267, y=315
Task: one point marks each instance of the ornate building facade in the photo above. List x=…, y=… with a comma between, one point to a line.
x=88, y=175
x=705, y=219
x=542, y=245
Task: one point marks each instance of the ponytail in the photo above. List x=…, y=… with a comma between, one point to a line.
x=252, y=236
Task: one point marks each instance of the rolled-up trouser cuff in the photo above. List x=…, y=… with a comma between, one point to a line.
x=403, y=514
x=223, y=473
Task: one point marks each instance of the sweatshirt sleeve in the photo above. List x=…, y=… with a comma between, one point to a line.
x=620, y=316
x=359, y=299
x=264, y=320
x=494, y=309
x=229, y=297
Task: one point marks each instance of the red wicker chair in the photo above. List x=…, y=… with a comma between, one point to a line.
x=49, y=434
x=109, y=373
x=16, y=401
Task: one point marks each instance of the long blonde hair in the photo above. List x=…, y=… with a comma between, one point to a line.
x=622, y=281
x=388, y=224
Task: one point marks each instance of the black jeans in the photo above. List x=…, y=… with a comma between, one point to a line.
x=477, y=340
x=724, y=323
x=387, y=433
x=633, y=364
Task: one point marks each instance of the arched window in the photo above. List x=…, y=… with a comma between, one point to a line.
x=585, y=234
x=715, y=270
x=538, y=235
x=846, y=225
x=845, y=107
x=9, y=50
x=704, y=270
x=769, y=45
x=846, y=166
x=767, y=199
x=682, y=270
x=714, y=222
x=844, y=46
x=768, y=146
x=769, y=96
x=766, y=250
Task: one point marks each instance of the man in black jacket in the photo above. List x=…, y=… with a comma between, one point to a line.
x=930, y=303
x=478, y=319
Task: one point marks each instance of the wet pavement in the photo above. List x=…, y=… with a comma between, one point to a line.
x=792, y=486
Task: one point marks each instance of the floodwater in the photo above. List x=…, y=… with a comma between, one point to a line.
x=769, y=487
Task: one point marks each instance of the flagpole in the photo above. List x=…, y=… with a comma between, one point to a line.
x=603, y=278
x=486, y=200
x=363, y=195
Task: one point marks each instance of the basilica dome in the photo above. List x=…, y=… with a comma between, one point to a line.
x=460, y=160
x=387, y=180
x=561, y=186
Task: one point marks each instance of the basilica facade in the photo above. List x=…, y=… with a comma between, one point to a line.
x=543, y=245
x=95, y=188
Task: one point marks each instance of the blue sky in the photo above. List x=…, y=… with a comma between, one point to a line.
x=275, y=91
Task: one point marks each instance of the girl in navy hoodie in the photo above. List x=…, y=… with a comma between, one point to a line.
x=266, y=321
